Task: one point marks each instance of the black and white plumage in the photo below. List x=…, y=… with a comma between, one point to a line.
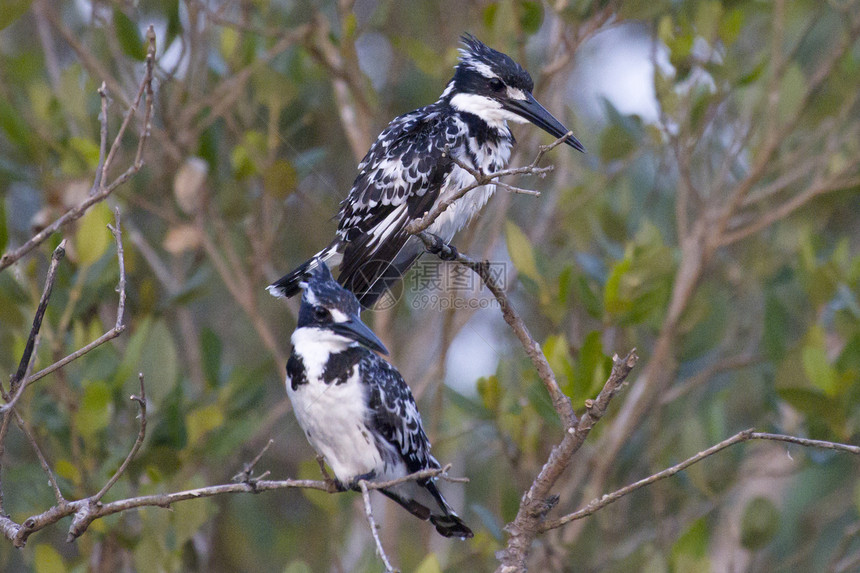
x=407, y=170
x=355, y=408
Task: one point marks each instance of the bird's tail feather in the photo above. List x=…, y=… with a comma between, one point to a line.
x=288, y=285
x=446, y=521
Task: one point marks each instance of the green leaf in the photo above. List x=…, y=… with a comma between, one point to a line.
x=87, y=149
x=730, y=26
x=521, y=251
x=159, y=362
x=202, y=421
x=67, y=470
x=592, y=367
x=759, y=523
x=588, y=297
x=92, y=236
x=210, y=349
x=130, y=40
x=776, y=322
x=708, y=15
x=12, y=10
x=557, y=352
x=95, y=410
x=690, y=552
x=430, y=564
x=12, y=122
x=531, y=15
x=490, y=392
x=816, y=366
x=47, y=560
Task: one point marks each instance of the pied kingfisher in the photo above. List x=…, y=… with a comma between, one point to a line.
x=407, y=170
x=355, y=408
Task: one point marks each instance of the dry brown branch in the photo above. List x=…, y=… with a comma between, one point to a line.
x=87, y=510
x=28, y=433
x=538, y=500
x=101, y=190
x=248, y=470
x=141, y=434
x=117, y=329
x=380, y=551
x=743, y=436
x=481, y=178
x=27, y=355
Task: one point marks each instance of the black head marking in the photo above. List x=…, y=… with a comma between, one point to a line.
x=493, y=70
x=321, y=295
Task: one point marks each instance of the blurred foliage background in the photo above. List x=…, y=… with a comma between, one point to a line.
x=713, y=225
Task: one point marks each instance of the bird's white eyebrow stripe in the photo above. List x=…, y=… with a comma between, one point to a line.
x=516, y=93
x=338, y=315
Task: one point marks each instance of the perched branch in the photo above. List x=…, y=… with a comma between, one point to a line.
x=538, y=500
x=118, y=328
x=87, y=510
x=101, y=189
x=481, y=178
x=561, y=403
x=365, y=495
x=744, y=436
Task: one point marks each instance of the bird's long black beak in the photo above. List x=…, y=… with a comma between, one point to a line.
x=358, y=331
x=533, y=111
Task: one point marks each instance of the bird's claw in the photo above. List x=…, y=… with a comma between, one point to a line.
x=443, y=250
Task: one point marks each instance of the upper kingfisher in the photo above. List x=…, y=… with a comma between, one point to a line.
x=411, y=166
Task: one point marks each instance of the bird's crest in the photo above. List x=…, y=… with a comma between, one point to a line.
x=320, y=288
x=477, y=56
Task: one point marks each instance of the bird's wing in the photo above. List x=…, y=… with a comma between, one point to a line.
x=394, y=415
x=399, y=179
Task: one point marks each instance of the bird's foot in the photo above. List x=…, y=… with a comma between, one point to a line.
x=332, y=485
x=443, y=250
x=365, y=477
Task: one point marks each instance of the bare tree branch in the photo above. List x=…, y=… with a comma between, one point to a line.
x=26, y=357
x=380, y=551
x=743, y=436
x=87, y=510
x=101, y=190
x=141, y=435
x=28, y=433
x=117, y=329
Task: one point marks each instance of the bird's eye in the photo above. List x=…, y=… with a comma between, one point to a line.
x=496, y=85
x=321, y=313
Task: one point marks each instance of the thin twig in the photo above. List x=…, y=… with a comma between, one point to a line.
x=118, y=328
x=24, y=365
x=380, y=551
x=102, y=190
x=25, y=429
x=560, y=401
x=248, y=470
x=743, y=436
x=141, y=435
